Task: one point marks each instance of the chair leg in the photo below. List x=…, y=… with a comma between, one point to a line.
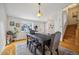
x=51, y=53
x=35, y=50
x=57, y=51
x=29, y=45
x=31, y=48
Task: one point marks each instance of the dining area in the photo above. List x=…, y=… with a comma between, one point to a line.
x=42, y=44
x=31, y=35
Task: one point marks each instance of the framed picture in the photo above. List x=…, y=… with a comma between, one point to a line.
x=17, y=24
x=25, y=27
x=12, y=23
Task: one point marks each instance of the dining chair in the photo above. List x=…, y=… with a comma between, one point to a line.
x=34, y=46
x=29, y=42
x=54, y=43
x=32, y=42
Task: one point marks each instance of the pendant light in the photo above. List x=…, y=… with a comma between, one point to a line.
x=39, y=12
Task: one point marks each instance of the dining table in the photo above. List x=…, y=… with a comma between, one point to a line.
x=42, y=38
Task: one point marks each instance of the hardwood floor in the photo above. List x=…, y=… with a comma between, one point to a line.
x=11, y=48
x=73, y=47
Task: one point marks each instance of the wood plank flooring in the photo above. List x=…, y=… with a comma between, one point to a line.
x=11, y=48
x=73, y=47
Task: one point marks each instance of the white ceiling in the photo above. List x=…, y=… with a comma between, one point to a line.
x=29, y=10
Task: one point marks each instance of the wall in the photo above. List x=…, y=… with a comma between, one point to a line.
x=49, y=26
x=56, y=21
x=3, y=27
x=41, y=25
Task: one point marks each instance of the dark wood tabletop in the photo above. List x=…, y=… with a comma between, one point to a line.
x=40, y=37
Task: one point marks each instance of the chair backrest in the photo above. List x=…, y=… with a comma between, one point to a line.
x=55, y=41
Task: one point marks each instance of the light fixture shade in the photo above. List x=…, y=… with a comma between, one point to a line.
x=39, y=14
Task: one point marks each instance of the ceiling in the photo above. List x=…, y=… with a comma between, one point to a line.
x=29, y=10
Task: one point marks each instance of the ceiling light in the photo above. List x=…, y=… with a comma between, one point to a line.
x=39, y=12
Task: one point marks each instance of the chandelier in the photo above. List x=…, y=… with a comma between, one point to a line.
x=39, y=11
